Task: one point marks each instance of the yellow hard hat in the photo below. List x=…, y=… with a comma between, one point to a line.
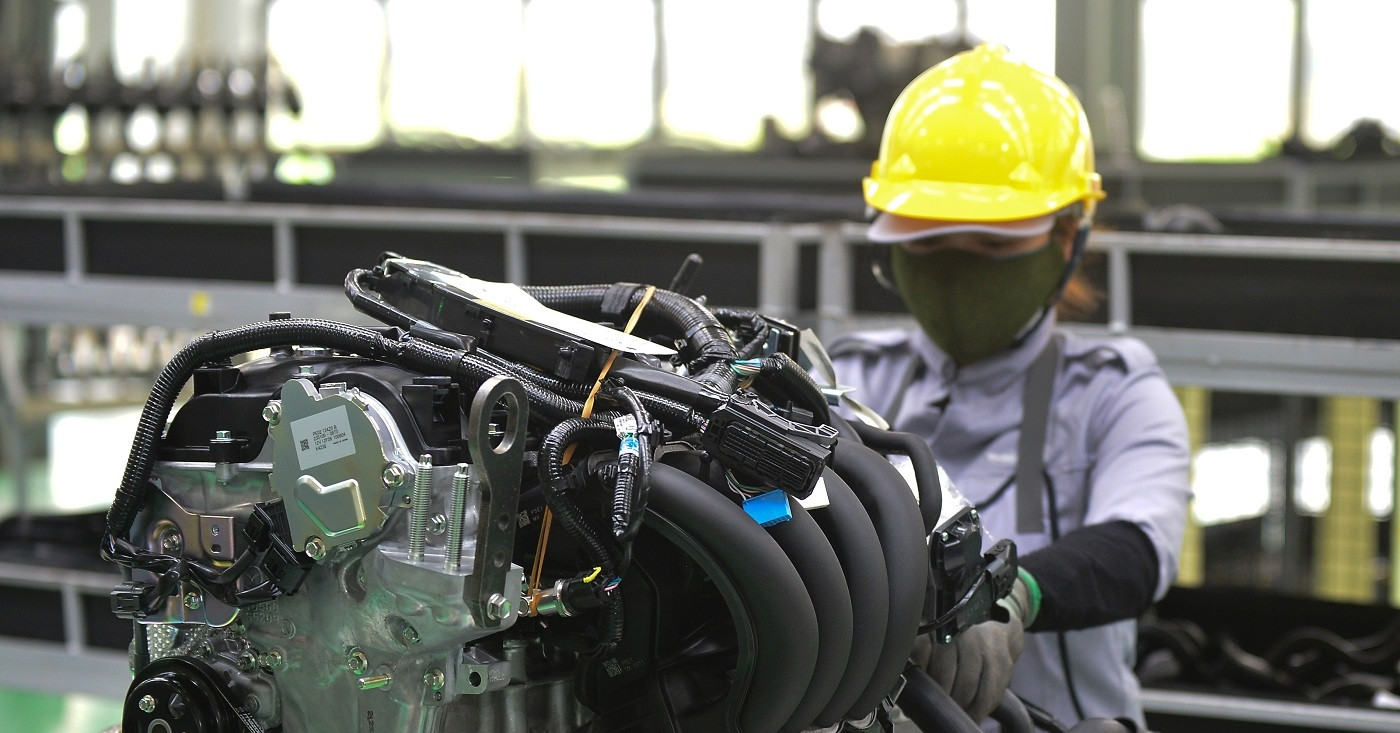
x=984, y=137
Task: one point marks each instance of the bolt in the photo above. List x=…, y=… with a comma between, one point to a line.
x=422, y=504
x=247, y=660
x=170, y=541
x=305, y=371
x=193, y=601
x=374, y=682
x=223, y=435
x=452, y=556
x=943, y=536
x=947, y=638
x=410, y=635
x=147, y=704
x=270, y=660
x=393, y=475
x=315, y=548
x=356, y=661
x=272, y=413
x=437, y=524
x=214, y=530
x=434, y=678
x=251, y=704
x=497, y=606
x=204, y=651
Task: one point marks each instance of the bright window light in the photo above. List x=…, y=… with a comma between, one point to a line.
x=722, y=96
x=69, y=32
x=148, y=36
x=1349, y=43
x=588, y=70
x=1380, y=489
x=334, y=66
x=1027, y=27
x=454, y=68
x=901, y=21
x=1312, y=487
x=87, y=455
x=1217, y=90
x=1231, y=481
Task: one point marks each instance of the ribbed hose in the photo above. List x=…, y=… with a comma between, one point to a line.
x=217, y=345
x=745, y=320
x=629, y=501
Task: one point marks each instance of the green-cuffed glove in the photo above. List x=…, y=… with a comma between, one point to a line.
x=976, y=667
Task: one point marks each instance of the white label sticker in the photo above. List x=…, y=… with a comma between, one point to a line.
x=323, y=437
x=818, y=497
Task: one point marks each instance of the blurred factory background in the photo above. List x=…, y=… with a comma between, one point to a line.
x=173, y=166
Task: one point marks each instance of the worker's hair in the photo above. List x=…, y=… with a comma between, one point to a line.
x=1080, y=298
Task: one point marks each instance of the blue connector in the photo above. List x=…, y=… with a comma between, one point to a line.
x=769, y=509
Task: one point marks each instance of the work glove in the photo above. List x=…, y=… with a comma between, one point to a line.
x=975, y=667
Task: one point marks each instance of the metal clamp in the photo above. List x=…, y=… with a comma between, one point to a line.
x=499, y=470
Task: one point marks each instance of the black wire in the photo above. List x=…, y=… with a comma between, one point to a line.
x=951, y=613
x=1060, y=635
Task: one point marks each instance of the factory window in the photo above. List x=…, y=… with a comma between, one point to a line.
x=335, y=67
x=1027, y=27
x=588, y=71
x=454, y=69
x=148, y=38
x=1217, y=89
x=1312, y=489
x=1231, y=481
x=724, y=79
x=1350, y=44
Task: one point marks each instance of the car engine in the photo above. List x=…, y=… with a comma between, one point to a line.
x=571, y=508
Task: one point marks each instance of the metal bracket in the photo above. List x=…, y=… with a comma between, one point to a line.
x=499, y=467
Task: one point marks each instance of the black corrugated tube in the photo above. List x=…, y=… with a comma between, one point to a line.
x=796, y=384
x=555, y=480
x=708, y=348
x=217, y=345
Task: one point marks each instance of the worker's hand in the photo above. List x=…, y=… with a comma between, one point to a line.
x=976, y=667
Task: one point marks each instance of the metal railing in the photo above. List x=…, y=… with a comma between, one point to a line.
x=1214, y=359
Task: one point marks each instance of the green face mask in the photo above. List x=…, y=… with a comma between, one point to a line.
x=972, y=305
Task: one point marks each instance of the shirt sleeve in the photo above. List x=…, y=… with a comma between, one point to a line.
x=1140, y=461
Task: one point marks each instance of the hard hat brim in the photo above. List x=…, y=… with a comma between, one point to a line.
x=891, y=228
x=963, y=201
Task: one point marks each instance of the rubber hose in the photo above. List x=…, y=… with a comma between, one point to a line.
x=1012, y=715
x=771, y=678
x=811, y=553
x=847, y=527
x=554, y=480
x=739, y=319
x=216, y=345
x=887, y=499
x=929, y=707
x=920, y=456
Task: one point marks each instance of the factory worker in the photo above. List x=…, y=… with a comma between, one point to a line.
x=1073, y=447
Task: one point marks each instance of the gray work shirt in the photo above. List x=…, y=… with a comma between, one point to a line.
x=1116, y=449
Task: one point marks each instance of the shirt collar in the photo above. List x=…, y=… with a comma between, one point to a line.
x=994, y=373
